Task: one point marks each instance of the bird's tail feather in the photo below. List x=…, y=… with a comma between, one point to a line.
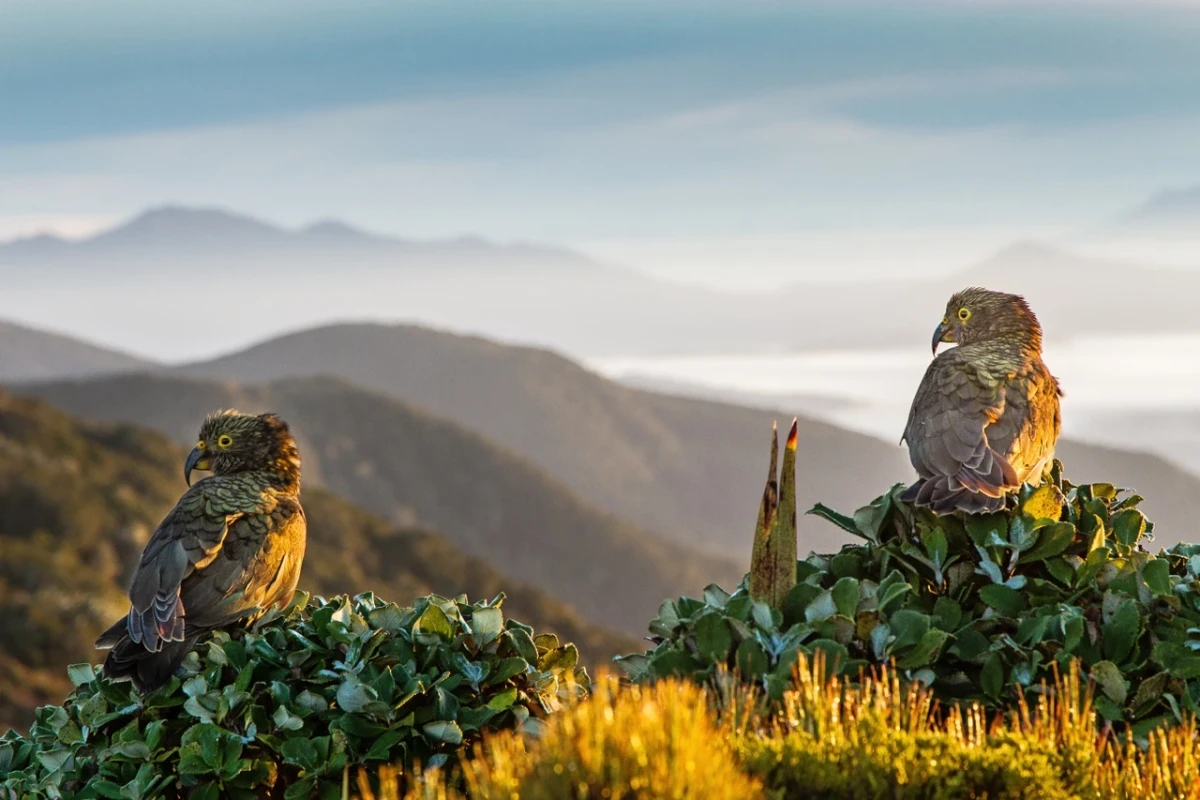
x=991, y=474
x=945, y=496
x=110, y=637
x=128, y=660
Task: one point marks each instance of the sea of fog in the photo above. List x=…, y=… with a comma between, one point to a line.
x=1138, y=392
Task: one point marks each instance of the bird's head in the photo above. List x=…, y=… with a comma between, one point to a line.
x=232, y=442
x=980, y=315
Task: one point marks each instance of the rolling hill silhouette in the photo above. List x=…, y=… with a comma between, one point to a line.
x=32, y=354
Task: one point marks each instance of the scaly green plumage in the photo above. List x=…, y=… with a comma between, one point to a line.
x=230, y=549
x=986, y=416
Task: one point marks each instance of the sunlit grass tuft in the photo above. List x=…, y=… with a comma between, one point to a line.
x=657, y=742
x=1168, y=767
x=875, y=736
x=879, y=737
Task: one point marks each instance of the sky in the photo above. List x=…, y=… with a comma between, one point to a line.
x=724, y=143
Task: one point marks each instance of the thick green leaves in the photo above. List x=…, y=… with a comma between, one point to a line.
x=946, y=614
x=991, y=677
x=1156, y=575
x=287, y=707
x=713, y=637
x=1046, y=502
x=1007, y=602
x=434, y=622
x=908, y=626
x=978, y=606
x=1051, y=541
x=845, y=596
x=925, y=650
x=987, y=530
x=821, y=608
x=444, y=731
x=80, y=674
x=841, y=520
x=1110, y=680
x=1128, y=525
x=936, y=548
x=1121, y=632
x=487, y=624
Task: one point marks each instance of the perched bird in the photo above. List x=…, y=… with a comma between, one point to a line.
x=229, y=550
x=986, y=416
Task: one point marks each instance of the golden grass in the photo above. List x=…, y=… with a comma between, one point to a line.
x=656, y=742
x=872, y=737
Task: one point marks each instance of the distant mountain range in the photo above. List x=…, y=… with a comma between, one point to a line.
x=78, y=500
x=204, y=280
x=189, y=232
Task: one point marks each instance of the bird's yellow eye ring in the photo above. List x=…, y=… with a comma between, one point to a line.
x=200, y=445
x=224, y=440
x=964, y=313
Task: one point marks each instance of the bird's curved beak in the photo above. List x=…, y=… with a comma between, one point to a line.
x=942, y=333
x=197, y=459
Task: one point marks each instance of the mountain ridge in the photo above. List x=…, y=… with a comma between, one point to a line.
x=535, y=293
x=172, y=225
x=32, y=353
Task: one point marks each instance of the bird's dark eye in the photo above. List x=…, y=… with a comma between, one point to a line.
x=200, y=445
x=964, y=313
x=224, y=440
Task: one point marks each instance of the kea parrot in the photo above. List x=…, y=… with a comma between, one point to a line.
x=986, y=416
x=229, y=551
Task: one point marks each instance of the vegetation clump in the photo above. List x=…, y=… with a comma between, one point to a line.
x=648, y=742
x=826, y=738
x=979, y=607
x=286, y=708
x=659, y=742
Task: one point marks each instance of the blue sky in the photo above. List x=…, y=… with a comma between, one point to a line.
x=677, y=136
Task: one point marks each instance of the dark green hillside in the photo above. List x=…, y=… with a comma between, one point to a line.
x=78, y=500
x=406, y=464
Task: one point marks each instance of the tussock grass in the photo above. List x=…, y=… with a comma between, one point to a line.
x=659, y=742
x=831, y=737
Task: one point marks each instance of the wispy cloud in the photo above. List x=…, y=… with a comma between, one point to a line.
x=603, y=122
